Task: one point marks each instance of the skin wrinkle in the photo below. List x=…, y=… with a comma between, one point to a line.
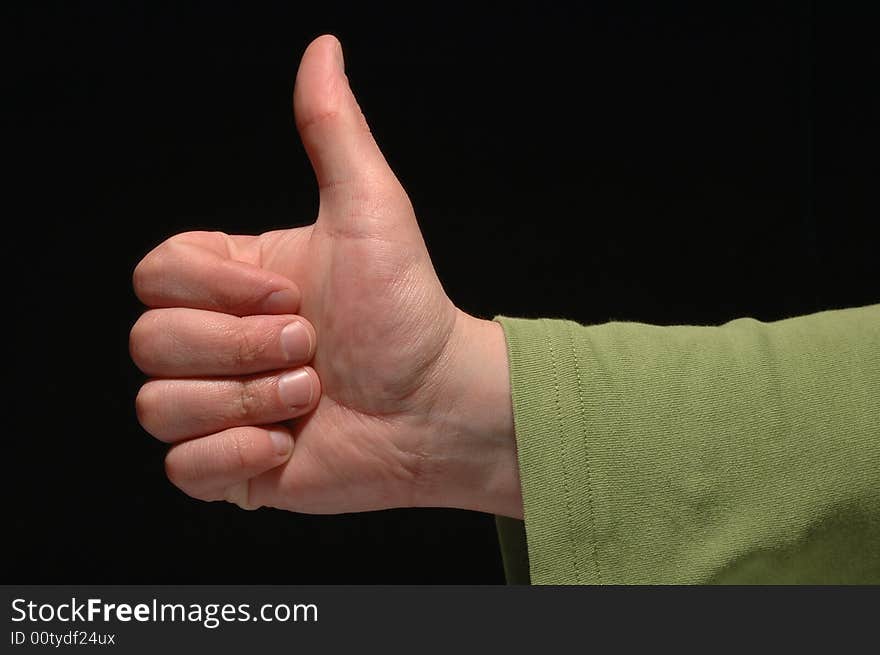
x=250, y=351
x=247, y=400
x=352, y=234
x=317, y=118
x=383, y=469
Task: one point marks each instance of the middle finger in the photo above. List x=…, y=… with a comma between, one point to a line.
x=183, y=342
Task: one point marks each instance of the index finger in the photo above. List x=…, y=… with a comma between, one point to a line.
x=179, y=273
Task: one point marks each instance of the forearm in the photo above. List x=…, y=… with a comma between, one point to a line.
x=748, y=452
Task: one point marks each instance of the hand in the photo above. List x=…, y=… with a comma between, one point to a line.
x=408, y=401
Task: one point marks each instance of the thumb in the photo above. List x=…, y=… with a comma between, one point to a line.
x=353, y=177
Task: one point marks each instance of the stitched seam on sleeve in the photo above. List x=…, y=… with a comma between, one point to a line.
x=583, y=412
x=566, y=483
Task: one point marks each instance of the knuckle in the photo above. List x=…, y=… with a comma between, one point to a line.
x=144, y=274
x=185, y=240
x=137, y=277
x=162, y=250
x=152, y=408
x=247, y=351
x=170, y=250
x=145, y=404
x=140, y=340
x=183, y=471
x=174, y=468
x=150, y=274
x=147, y=277
x=214, y=238
x=248, y=400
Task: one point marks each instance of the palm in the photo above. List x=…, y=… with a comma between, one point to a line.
x=382, y=321
x=381, y=316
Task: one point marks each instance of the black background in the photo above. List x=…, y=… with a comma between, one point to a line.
x=662, y=162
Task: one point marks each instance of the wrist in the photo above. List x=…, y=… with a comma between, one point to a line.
x=476, y=463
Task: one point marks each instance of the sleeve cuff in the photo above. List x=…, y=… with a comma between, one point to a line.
x=550, y=423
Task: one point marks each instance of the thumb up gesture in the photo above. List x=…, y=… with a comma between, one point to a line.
x=323, y=369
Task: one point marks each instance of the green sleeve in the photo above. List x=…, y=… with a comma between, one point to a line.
x=742, y=453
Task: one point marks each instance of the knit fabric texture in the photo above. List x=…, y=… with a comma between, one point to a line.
x=742, y=453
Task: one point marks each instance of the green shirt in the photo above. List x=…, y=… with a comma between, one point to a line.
x=742, y=453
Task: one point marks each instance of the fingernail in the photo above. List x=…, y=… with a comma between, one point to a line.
x=281, y=302
x=295, y=388
x=340, y=60
x=282, y=442
x=296, y=342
